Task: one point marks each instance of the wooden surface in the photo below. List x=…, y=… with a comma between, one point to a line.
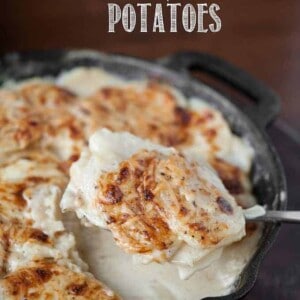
x=262, y=37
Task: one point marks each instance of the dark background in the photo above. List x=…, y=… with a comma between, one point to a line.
x=262, y=37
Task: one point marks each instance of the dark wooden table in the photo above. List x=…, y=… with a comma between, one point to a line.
x=262, y=37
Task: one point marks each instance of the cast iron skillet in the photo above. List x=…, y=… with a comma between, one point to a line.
x=267, y=173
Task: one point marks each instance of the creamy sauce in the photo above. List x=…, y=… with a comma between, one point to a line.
x=158, y=281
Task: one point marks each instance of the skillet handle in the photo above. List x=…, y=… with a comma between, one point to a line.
x=266, y=103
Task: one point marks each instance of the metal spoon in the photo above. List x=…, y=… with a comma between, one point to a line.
x=277, y=216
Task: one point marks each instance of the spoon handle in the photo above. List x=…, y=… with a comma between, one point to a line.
x=279, y=216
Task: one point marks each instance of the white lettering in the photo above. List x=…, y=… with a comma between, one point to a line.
x=218, y=24
x=114, y=16
x=158, y=19
x=189, y=18
x=144, y=15
x=201, y=11
x=128, y=18
x=200, y=17
x=173, y=16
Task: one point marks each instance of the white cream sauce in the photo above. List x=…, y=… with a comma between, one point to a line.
x=158, y=281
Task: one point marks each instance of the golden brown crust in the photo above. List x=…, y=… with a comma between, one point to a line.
x=39, y=167
x=174, y=174
x=46, y=95
x=133, y=217
x=40, y=115
x=48, y=280
x=134, y=200
x=151, y=112
x=14, y=234
x=51, y=116
x=34, y=122
x=232, y=177
x=12, y=202
x=119, y=109
x=20, y=125
x=54, y=105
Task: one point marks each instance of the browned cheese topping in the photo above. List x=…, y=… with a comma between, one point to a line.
x=133, y=198
x=48, y=280
x=152, y=113
x=35, y=121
